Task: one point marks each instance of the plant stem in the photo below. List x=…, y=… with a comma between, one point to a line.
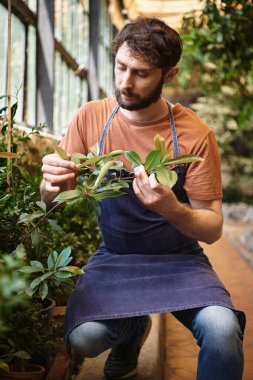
x=40, y=221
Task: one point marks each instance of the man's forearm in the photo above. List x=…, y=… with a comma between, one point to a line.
x=200, y=224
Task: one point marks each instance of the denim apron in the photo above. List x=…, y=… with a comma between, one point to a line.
x=144, y=265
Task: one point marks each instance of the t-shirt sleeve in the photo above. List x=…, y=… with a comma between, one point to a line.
x=203, y=179
x=74, y=140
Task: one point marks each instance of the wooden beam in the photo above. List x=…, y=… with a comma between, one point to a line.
x=70, y=61
x=116, y=16
x=22, y=11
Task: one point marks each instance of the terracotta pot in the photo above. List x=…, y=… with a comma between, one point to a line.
x=35, y=373
x=59, y=311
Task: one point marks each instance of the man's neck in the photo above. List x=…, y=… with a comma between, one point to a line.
x=156, y=111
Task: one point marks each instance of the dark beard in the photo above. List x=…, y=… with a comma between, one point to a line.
x=139, y=102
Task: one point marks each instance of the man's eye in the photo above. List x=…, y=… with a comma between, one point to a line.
x=120, y=67
x=142, y=74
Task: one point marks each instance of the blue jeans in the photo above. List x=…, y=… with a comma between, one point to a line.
x=216, y=329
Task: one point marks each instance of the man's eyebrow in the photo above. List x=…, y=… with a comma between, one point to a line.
x=144, y=69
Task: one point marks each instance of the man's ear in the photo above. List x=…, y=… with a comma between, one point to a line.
x=171, y=73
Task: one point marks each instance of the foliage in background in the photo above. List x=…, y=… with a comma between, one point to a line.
x=218, y=61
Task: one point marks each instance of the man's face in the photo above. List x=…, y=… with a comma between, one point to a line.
x=137, y=84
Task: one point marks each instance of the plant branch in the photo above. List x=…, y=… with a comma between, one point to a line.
x=40, y=221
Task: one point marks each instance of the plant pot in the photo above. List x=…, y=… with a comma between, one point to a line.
x=35, y=372
x=59, y=311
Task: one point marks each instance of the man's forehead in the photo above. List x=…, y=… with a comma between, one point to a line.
x=128, y=57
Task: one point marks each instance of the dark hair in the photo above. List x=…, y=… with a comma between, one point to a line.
x=152, y=40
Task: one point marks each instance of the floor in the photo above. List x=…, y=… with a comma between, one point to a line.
x=181, y=350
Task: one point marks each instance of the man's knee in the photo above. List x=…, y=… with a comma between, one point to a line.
x=218, y=326
x=89, y=339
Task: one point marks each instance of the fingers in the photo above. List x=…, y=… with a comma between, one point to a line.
x=57, y=172
x=144, y=182
x=56, y=161
x=55, y=178
x=52, y=189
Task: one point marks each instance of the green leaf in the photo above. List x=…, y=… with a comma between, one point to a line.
x=94, y=206
x=102, y=174
x=160, y=144
x=35, y=282
x=4, y=366
x=185, y=159
x=43, y=290
x=106, y=194
x=63, y=274
x=63, y=257
x=153, y=160
x=90, y=161
x=20, y=251
x=110, y=186
x=27, y=218
x=55, y=226
x=94, y=149
x=39, y=280
x=69, y=194
x=46, y=275
x=22, y=355
x=52, y=259
x=133, y=157
x=114, y=154
x=72, y=269
x=9, y=155
x=167, y=155
x=166, y=177
x=42, y=205
x=78, y=156
x=36, y=263
x=61, y=152
x=30, y=269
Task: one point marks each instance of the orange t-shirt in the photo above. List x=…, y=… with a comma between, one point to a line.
x=202, y=180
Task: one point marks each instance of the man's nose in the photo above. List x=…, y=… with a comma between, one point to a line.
x=127, y=80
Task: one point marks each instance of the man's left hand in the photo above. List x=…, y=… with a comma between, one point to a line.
x=152, y=194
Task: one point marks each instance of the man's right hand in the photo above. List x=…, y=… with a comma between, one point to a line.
x=58, y=175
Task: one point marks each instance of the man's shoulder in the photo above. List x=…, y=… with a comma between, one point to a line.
x=185, y=116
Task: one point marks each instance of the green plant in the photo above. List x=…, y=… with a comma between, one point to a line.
x=12, y=285
x=102, y=176
x=56, y=272
x=9, y=354
x=28, y=335
x=218, y=61
x=160, y=163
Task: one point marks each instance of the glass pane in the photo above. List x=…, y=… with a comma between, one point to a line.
x=17, y=63
x=57, y=94
x=31, y=76
x=105, y=61
x=58, y=19
x=32, y=4
x=70, y=92
x=3, y=52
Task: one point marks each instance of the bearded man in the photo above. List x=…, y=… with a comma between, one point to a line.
x=150, y=260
